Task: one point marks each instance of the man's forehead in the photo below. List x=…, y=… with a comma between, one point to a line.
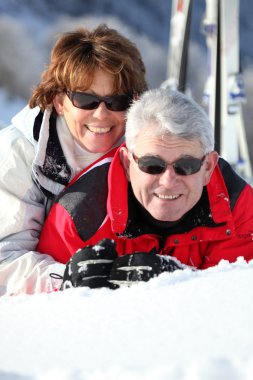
x=148, y=139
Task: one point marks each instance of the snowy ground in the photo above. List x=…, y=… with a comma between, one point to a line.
x=180, y=326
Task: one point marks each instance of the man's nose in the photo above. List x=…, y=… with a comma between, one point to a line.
x=168, y=176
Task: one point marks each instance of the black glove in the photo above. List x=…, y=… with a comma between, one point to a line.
x=141, y=266
x=90, y=266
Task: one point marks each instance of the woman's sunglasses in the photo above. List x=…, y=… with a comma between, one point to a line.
x=183, y=166
x=87, y=101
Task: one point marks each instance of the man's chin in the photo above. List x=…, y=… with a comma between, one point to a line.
x=166, y=217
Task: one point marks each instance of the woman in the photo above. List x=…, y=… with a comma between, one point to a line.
x=74, y=117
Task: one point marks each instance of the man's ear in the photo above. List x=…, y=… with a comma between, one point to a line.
x=58, y=104
x=210, y=163
x=125, y=160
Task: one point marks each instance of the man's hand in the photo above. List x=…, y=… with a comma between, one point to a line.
x=90, y=266
x=140, y=266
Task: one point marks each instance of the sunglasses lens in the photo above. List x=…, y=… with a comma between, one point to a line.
x=118, y=102
x=187, y=166
x=151, y=165
x=85, y=101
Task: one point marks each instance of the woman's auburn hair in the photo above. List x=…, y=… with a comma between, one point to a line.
x=78, y=54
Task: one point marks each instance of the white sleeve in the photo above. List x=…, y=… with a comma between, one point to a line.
x=22, y=214
x=30, y=273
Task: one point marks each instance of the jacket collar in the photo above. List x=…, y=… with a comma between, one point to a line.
x=219, y=197
x=117, y=201
x=24, y=121
x=50, y=169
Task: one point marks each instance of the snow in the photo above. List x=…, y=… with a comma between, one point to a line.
x=183, y=325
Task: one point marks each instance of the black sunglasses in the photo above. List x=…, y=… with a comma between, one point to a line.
x=87, y=101
x=155, y=165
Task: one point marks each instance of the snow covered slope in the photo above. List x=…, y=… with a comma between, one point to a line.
x=180, y=326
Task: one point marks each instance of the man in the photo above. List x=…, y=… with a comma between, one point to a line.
x=169, y=197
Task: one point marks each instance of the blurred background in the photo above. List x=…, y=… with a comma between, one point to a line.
x=29, y=28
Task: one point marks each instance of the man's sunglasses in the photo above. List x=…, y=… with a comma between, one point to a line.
x=87, y=101
x=183, y=166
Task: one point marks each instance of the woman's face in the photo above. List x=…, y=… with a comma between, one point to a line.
x=96, y=130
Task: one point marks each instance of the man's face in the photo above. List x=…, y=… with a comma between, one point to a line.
x=167, y=196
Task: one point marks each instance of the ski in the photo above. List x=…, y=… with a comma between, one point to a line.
x=233, y=140
x=224, y=90
x=178, y=44
x=210, y=29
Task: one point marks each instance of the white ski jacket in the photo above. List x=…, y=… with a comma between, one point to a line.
x=32, y=170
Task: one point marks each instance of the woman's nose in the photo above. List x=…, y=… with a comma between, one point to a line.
x=101, y=111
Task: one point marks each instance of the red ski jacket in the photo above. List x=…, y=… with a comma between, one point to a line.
x=219, y=226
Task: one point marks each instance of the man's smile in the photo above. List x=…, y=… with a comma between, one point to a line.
x=170, y=197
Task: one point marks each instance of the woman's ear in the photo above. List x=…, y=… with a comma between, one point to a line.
x=125, y=160
x=210, y=163
x=58, y=104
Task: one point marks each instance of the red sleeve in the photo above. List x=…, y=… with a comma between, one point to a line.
x=59, y=237
x=241, y=244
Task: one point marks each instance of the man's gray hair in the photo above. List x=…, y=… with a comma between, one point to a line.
x=169, y=112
